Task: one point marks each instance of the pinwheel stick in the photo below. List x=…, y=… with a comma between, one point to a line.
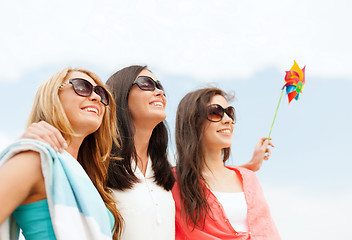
x=277, y=108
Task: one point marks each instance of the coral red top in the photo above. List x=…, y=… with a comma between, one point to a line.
x=260, y=223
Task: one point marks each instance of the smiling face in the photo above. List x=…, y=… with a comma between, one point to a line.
x=218, y=135
x=146, y=107
x=85, y=114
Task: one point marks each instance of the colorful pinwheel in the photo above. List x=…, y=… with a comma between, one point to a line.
x=295, y=80
x=294, y=83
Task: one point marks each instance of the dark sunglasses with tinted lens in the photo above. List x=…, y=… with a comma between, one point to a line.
x=147, y=83
x=84, y=88
x=216, y=113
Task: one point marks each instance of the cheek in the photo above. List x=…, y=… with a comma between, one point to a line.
x=68, y=100
x=165, y=101
x=138, y=104
x=133, y=107
x=135, y=101
x=208, y=133
x=104, y=110
x=66, y=107
x=104, y=114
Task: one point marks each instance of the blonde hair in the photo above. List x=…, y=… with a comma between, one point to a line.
x=94, y=152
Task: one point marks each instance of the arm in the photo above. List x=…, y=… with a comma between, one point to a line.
x=44, y=132
x=261, y=152
x=21, y=179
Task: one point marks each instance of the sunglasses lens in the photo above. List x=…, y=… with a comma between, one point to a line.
x=145, y=83
x=103, y=95
x=215, y=113
x=82, y=87
x=159, y=86
x=230, y=111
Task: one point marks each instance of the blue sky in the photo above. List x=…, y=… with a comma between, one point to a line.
x=239, y=46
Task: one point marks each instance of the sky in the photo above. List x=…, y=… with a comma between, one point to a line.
x=243, y=47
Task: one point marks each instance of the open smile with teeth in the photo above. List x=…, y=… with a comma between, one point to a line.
x=91, y=109
x=158, y=104
x=225, y=131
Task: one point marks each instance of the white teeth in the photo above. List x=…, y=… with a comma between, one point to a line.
x=225, y=131
x=158, y=104
x=90, y=109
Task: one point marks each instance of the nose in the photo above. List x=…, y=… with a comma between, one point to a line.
x=159, y=92
x=94, y=96
x=227, y=120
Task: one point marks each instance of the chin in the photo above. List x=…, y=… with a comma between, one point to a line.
x=159, y=116
x=226, y=145
x=92, y=127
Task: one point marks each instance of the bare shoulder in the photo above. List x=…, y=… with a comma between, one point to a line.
x=27, y=156
x=25, y=162
x=23, y=177
x=23, y=170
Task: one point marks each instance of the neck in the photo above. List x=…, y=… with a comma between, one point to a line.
x=213, y=161
x=74, y=146
x=141, y=141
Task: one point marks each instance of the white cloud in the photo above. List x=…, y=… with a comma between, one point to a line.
x=204, y=39
x=306, y=215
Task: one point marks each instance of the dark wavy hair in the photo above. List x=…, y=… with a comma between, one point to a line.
x=190, y=120
x=120, y=173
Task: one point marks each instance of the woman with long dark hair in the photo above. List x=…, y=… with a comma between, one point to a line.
x=214, y=201
x=142, y=181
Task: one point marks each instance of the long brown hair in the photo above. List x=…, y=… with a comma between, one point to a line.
x=94, y=152
x=190, y=119
x=121, y=174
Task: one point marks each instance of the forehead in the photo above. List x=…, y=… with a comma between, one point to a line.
x=77, y=74
x=218, y=99
x=147, y=73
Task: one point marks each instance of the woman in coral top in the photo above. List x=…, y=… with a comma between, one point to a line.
x=214, y=201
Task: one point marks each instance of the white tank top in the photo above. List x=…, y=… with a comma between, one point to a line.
x=235, y=207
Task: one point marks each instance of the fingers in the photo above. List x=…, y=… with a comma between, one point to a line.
x=261, y=152
x=264, y=143
x=45, y=132
x=267, y=154
x=53, y=136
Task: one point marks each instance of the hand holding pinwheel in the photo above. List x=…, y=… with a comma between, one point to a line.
x=294, y=83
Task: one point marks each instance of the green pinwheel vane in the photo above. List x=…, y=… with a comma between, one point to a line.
x=294, y=83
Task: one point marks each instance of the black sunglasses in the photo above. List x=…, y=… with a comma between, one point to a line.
x=216, y=113
x=84, y=88
x=147, y=83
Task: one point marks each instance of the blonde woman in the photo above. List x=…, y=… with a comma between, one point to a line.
x=52, y=195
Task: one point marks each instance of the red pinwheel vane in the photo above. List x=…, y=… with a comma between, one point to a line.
x=294, y=83
x=295, y=80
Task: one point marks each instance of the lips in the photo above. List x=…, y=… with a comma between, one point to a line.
x=92, y=109
x=225, y=130
x=157, y=103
